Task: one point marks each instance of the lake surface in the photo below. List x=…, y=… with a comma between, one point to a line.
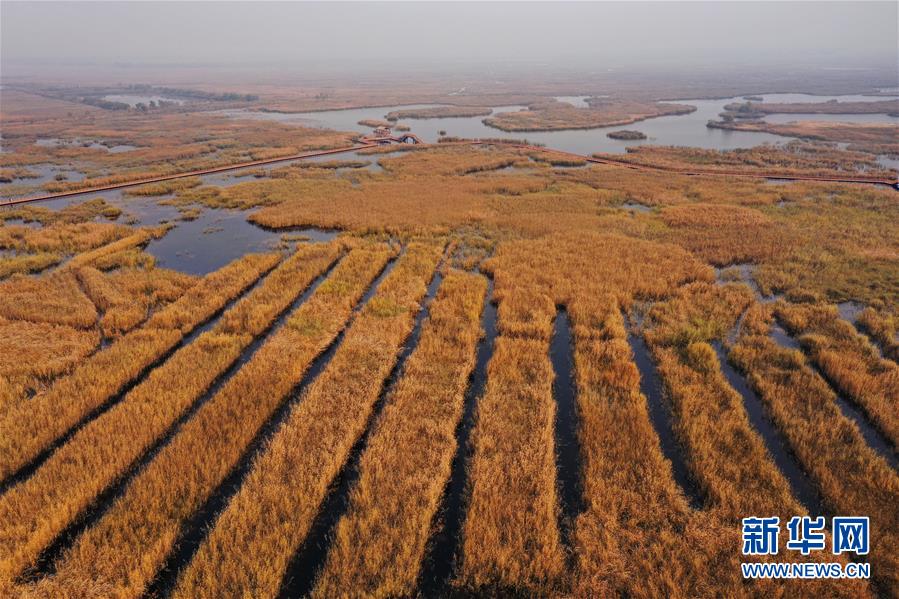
x=198, y=246
x=678, y=130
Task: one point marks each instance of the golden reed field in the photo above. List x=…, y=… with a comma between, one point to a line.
x=452, y=369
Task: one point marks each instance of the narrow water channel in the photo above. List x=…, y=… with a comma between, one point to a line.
x=309, y=558
x=444, y=547
x=872, y=436
x=568, y=452
x=662, y=419
x=778, y=447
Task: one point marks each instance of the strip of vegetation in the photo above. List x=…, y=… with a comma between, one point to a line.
x=442, y=552
x=380, y=543
x=331, y=164
x=373, y=123
x=848, y=360
x=27, y=430
x=126, y=547
x=54, y=298
x=127, y=296
x=438, y=112
x=311, y=446
x=875, y=138
x=132, y=241
x=164, y=187
x=34, y=352
x=28, y=263
x=636, y=536
x=180, y=92
x=881, y=325
x=555, y=159
x=120, y=312
x=829, y=107
x=793, y=158
x=511, y=534
x=551, y=115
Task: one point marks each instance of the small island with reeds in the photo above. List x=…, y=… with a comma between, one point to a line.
x=626, y=134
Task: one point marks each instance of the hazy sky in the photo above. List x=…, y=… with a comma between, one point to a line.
x=449, y=34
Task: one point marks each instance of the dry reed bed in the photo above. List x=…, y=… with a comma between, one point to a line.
x=847, y=359
x=131, y=258
x=511, y=539
x=164, y=187
x=41, y=248
x=31, y=352
x=876, y=138
x=725, y=455
x=127, y=546
x=552, y=115
x=28, y=263
x=53, y=298
x=637, y=536
x=126, y=296
x=254, y=539
x=881, y=325
x=59, y=235
x=793, y=158
x=837, y=107
x=565, y=265
x=380, y=542
x=166, y=143
x=438, y=112
x=852, y=478
x=36, y=511
x=141, y=237
x=725, y=234
x=29, y=428
x=797, y=233
x=119, y=312
x=83, y=212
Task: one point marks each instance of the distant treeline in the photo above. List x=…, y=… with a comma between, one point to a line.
x=105, y=104
x=197, y=94
x=95, y=96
